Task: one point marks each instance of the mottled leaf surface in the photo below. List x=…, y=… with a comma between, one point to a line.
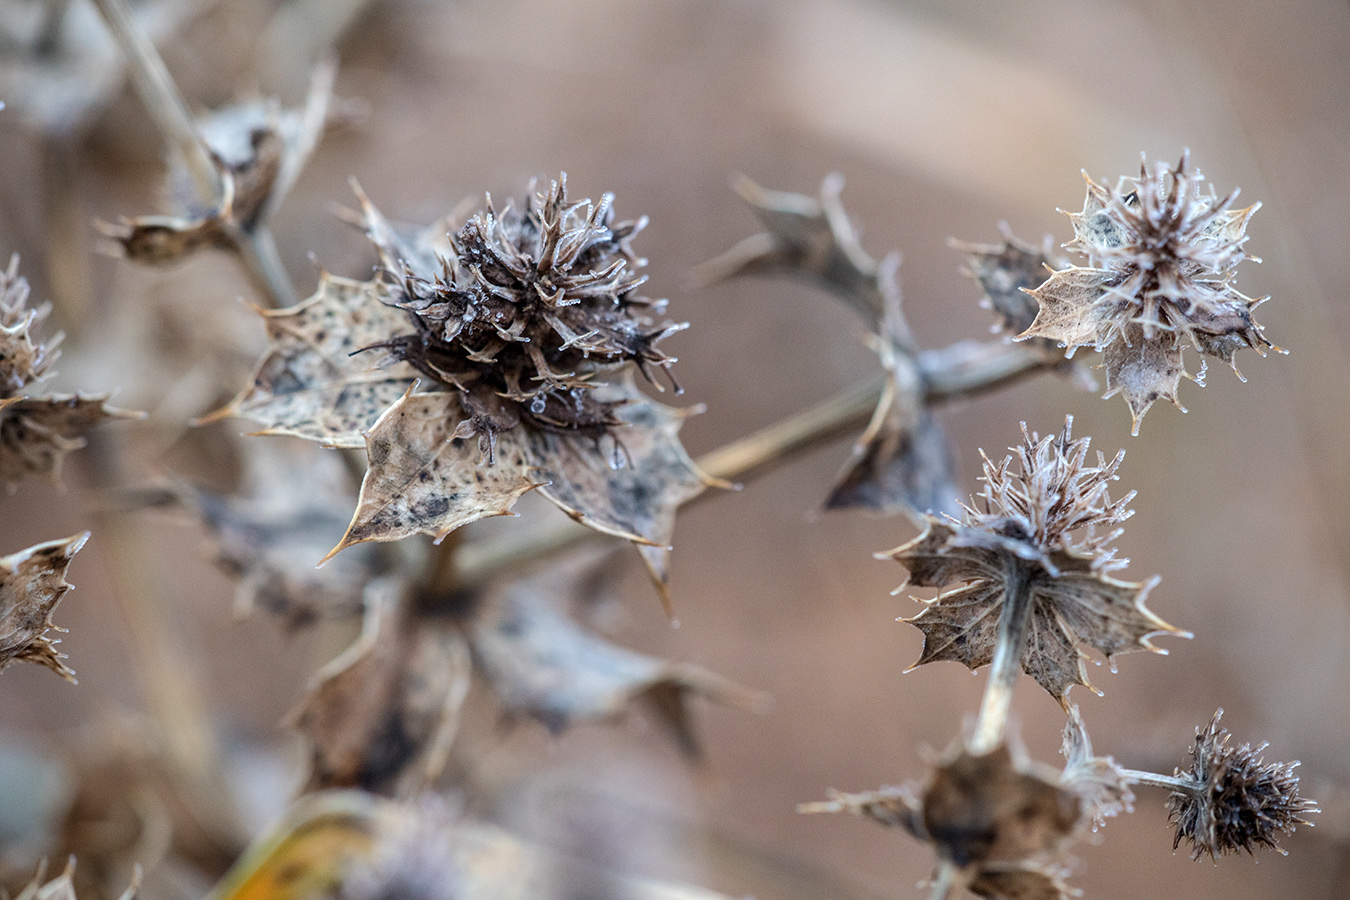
x=423, y=480
x=314, y=382
x=32, y=582
x=630, y=488
x=381, y=715
x=1144, y=371
x=1072, y=310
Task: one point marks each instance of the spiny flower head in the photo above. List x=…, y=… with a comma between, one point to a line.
x=1053, y=501
x=528, y=310
x=1034, y=529
x=1163, y=251
x=1238, y=801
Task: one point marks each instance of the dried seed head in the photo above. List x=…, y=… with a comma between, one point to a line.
x=1238, y=801
x=23, y=360
x=529, y=311
x=1162, y=257
x=1038, y=522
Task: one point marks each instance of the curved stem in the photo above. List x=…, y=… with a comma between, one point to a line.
x=1013, y=624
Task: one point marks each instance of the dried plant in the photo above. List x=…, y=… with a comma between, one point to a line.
x=510, y=351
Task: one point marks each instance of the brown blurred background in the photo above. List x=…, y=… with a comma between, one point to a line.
x=945, y=117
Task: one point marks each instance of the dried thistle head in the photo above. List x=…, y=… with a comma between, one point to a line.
x=1046, y=523
x=23, y=359
x=1236, y=801
x=1162, y=252
x=529, y=312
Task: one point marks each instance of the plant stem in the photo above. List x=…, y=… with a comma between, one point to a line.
x=968, y=368
x=1177, y=783
x=1013, y=623
x=258, y=249
x=162, y=100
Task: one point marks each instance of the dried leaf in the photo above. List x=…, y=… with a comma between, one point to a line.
x=424, y=480
x=1144, y=370
x=633, y=490
x=36, y=433
x=296, y=504
x=23, y=358
x=315, y=383
x=805, y=236
x=1071, y=310
x=381, y=715
x=903, y=462
x=896, y=807
x=1038, y=524
x=1023, y=881
x=1099, y=783
x=988, y=808
x=1006, y=272
x=32, y=582
x=541, y=664
x=258, y=151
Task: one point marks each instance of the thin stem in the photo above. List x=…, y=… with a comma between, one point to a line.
x=1013, y=624
x=259, y=252
x=1177, y=783
x=162, y=100
x=947, y=881
x=967, y=368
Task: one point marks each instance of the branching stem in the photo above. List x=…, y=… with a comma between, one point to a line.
x=1177, y=783
x=1013, y=624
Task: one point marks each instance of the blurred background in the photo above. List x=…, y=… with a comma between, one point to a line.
x=945, y=118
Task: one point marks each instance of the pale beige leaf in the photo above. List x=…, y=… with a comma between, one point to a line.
x=36, y=433
x=631, y=488
x=380, y=715
x=422, y=480
x=32, y=582
x=1005, y=272
x=1144, y=370
x=1072, y=310
x=315, y=383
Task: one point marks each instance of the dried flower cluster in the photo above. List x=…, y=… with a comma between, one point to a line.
x=1235, y=801
x=1046, y=527
x=1162, y=256
x=528, y=313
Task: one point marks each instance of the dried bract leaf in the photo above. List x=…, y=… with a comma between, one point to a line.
x=381, y=715
x=805, y=236
x=1100, y=784
x=1006, y=272
x=1040, y=524
x=1022, y=881
x=989, y=808
x=897, y=807
x=37, y=433
x=315, y=383
x=258, y=150
x=32, y=582
x=269, y=539
x=1163, y=258
x=543, y=665
x=1236, y=800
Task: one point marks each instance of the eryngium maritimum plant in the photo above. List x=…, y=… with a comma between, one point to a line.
x=1038, y=538
x=485, y=360
x=1162, y=256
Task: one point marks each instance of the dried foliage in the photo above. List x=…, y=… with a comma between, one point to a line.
x=1100, y=784
x=36, y=431
x=1162, y=258
x=257, y=150
x=1039, y=525
x=1007, y=272
x=32, y=582
x=902, y=463
x=1235, y=800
